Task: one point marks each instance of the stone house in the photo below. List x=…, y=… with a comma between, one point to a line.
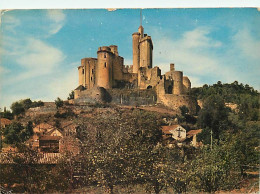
x=50, y=139
x=45, y=138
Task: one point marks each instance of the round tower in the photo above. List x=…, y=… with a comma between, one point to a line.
x=104, y=67
x=136, y=52
x=186, y=85
x=177, y=82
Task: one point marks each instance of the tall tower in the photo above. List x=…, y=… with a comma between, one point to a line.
x=136, y=52
x=142, y=49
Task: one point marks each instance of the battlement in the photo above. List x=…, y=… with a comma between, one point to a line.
x=104, y=49
x=136, y=33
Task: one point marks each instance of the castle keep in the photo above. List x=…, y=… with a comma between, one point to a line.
x=108, y=71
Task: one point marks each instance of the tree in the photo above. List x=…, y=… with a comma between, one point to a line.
x=211, y=170
x=16, y=133
x=59, y=103
x=21, y=106
x=71, y=95
x=213, y=116
x=184, y=110
x=17, y=108
x=7, y=114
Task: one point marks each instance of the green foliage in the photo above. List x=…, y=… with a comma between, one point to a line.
x=123, y=148
x=7, y=114
x=17, y=108
x=16, y=133
x=184, y=110
x=21, y=106
x=213, y=116
x=244, y=96
x=243, y=146
x=59, y=103
x=213, y=169
x=71, y=95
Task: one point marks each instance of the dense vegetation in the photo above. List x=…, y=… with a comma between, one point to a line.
x=244, y=96
x=123, y=149
x=23, y=105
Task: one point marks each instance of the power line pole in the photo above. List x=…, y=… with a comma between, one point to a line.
x=211, y=139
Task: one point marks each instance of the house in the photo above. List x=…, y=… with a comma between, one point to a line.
x=49, y=144
x=43, y=128
x=192, y=137
x=173, y=133
x=46, y=138
x=177, y=132
x=50, y=139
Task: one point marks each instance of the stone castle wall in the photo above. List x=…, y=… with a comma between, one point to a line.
x=176, y=101
x=133, y=97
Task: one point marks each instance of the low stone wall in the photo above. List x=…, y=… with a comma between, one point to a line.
x=49, y=107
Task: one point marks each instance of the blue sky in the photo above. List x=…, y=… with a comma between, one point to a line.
x=40, y=50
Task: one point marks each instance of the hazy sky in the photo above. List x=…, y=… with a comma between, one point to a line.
x=40, y=50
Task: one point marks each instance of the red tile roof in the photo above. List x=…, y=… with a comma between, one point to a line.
x=166, y=129
x=44, y=126
x=193, y=132
x=5, y=121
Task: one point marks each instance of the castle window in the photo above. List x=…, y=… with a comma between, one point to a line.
x=91, y=78
x=82, y=71
x=105, y=55
x=105, y=64
x=92, y=71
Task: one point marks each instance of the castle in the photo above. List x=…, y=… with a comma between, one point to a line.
x=108, y=71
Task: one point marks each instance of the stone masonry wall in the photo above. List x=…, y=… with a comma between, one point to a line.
x=176, y=101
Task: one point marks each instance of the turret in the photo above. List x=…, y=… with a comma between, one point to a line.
x=104, y=67
x=177, y=82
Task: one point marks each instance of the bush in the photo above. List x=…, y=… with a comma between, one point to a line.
x=59, y=103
